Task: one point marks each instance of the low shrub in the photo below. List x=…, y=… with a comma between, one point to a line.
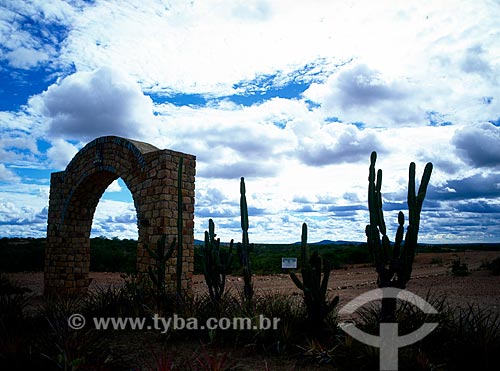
x=459, y=269
x=494, y=266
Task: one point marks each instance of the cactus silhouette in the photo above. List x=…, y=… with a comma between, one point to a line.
x=157, y=274
x=394, y=263
x=314, y=287
x=216, y=262
x=244, y=247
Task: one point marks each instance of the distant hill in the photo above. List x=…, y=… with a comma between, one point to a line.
x=339, y=242
x=330, y=242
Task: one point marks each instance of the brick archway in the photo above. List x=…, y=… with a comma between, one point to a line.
x=151, y=176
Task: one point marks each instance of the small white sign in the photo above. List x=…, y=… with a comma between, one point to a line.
x=289, y=263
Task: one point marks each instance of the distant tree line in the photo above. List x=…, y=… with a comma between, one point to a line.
x=116, y=255
x=106, y=255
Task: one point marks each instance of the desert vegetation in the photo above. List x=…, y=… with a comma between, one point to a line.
x=35, y=331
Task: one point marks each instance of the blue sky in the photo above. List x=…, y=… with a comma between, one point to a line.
x=292, y=96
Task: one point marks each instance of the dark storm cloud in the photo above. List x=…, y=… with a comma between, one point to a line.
x=479, y=144
x=479, y=207
x=476, y=186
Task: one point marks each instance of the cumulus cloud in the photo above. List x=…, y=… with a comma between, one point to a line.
x=104, y=102
x=61, y=153
x=359, y=93
x=20, y=217
x=336, y=144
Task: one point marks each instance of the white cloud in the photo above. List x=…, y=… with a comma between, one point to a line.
x=23, y=48
x=61, y=153
x=114, y=219
x=337, y=143
x=7, y=175
x=114, y=187
x=105, y=102
x=23, y=211
x=360, y=94
x=26, y=58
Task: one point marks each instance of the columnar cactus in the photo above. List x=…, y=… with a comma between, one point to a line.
x=314, y=287
x=244, y=247
x=394, y=267
x=157, y=274
x=216, y=263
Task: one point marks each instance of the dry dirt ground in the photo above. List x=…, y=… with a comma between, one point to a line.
x=430, y=272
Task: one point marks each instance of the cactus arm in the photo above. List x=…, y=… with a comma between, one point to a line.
x=380, y=211
x=216, y=263
x=399, y=236
x=333, y=303
x=412, y=198
x=303, y=244
x=422, y=189
x=297, y=281
x=326, y=277
x=372, y=207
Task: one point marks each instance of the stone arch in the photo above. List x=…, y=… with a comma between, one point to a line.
x=151, y=176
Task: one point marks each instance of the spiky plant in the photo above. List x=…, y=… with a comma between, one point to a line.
x=394, y=263
x=157, y=274
x=216, y=262
x=314, y=286
x=244, y=247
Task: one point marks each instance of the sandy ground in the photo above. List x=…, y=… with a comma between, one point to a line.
x=430, y=272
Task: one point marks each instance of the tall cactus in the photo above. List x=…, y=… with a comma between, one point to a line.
x=314, y=287
x=244, y=247
x=394, y=267
x=157, y=274
x=216, y=263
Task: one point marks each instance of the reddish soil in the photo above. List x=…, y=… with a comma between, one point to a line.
x=430, y=272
